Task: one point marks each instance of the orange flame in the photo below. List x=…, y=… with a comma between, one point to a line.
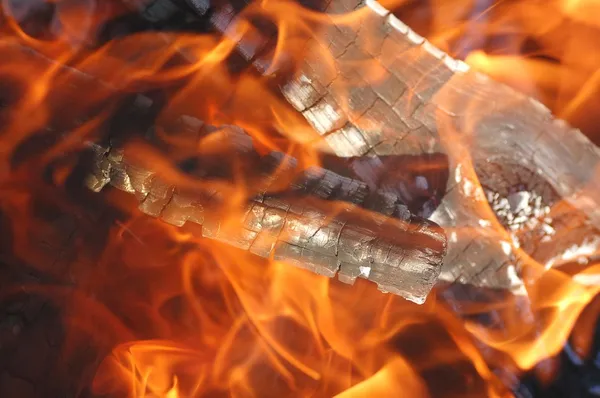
x=216, y=319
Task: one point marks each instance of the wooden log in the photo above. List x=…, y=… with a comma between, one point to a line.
x=420, y=100
x=366, y=233
x=31, y=329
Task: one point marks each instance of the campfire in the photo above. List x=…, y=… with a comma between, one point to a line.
x=283, y=198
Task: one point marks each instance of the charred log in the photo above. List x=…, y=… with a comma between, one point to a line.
x=371, y=233
x=423, y=101
x=401, y=115
x=513, y=193
x=383, y=243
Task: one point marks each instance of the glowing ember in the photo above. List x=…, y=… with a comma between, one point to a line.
x=357, y=93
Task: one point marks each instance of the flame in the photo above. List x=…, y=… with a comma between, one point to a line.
x=195, y=317
x=543, y=49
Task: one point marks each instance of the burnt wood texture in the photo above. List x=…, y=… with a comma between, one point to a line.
x=32, y=357
x=322, y=221
x=367, y=233
x=423, y=101
x=419, y=101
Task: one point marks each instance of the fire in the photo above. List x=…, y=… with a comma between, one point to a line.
x=194, y=317
x=541, y=48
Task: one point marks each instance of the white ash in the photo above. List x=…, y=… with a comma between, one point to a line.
x=521, y=210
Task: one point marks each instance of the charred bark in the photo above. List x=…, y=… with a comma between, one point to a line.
x=295, y=221
x=423, y=98
x=423, y=101
x=367, y=232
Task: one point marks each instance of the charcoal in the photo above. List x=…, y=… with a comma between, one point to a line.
x=199, y=6
x=160, y=10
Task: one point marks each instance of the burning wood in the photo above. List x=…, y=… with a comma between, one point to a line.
x=188, y=316
x=373, y=88
x=390, y=93
x=385, y=244
x=317, y=219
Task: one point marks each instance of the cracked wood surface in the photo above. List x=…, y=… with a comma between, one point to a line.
x=298, y=224
x=324, y=222
x=31, y=331
x=421, y=100
x=389, y=92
